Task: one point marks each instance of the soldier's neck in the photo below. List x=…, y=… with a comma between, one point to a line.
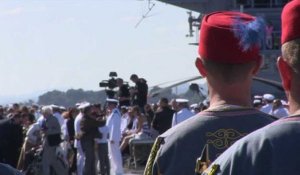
x=217, y=99
x=230, y=94
x=294, y=109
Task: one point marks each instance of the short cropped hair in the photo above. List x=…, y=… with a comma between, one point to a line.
x=164, y=100
x=133, y=76
x=291, y=53
x=228, y=73
x=120, y=80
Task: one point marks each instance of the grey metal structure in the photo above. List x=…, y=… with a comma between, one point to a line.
x=270, y=10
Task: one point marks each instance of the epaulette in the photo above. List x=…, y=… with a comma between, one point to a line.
x=203, y=162
x=149, y=166
x=212, y=170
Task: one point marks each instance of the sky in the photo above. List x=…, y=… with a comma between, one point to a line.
x=63, y=44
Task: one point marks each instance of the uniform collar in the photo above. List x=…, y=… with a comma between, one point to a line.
x=226, y=107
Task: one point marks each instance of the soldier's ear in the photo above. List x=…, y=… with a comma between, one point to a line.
x=285, y=73
x=200, y=66
x=257, y=67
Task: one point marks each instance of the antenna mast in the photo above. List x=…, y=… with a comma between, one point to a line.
x=150, y=7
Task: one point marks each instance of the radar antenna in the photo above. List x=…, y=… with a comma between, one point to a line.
x=146, y=15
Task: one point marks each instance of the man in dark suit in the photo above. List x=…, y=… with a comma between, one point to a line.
x=89, y=127
x=163, y=117
x=11, y=139
x=140, y=91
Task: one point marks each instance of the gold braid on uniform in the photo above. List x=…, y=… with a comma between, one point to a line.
x=151, y=158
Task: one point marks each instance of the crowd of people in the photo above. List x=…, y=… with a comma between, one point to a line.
x=226, y=134
x=75, y=134
x=33, y=138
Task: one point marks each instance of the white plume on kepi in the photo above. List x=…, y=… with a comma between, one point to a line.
x=269, y=97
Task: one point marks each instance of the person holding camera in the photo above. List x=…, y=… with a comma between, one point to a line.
x=140, y=91
x=123, y=93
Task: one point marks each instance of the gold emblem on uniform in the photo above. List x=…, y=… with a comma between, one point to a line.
x=223, y=138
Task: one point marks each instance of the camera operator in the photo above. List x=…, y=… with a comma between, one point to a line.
x=123, y=93
x=140, y=91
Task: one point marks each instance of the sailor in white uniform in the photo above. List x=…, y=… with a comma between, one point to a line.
x=267, y=108
x=77, y=145
x=57, y=114
x=114, y=123
x=183, y=112
x=279, y=110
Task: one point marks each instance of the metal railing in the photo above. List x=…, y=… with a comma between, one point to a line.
x=274, y=43
x=261, y=3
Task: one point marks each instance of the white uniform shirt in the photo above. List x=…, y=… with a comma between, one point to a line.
x=267, y=108
x=77, y=129
x=33, y=133
x=105, y=134
x=181, y=115
x=281, y=112
x=37, y=115
x=113, y=123
x=40, y=121
x=124, y=122
x=64, y=130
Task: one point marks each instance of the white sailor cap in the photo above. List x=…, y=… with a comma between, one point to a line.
x=84, y=105
x=112, y=100
x=195, y=105
x=62, y=108
x=182, y=100
x=284, y=103
x=256, y=101
x=268, y=97
x=206, y=102
x=124, y=107
x=54, y=106
x=258, y=97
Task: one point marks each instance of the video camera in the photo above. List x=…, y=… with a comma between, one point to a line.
x=110, y=84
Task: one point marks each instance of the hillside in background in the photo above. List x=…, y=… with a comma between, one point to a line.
x=71, y=97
